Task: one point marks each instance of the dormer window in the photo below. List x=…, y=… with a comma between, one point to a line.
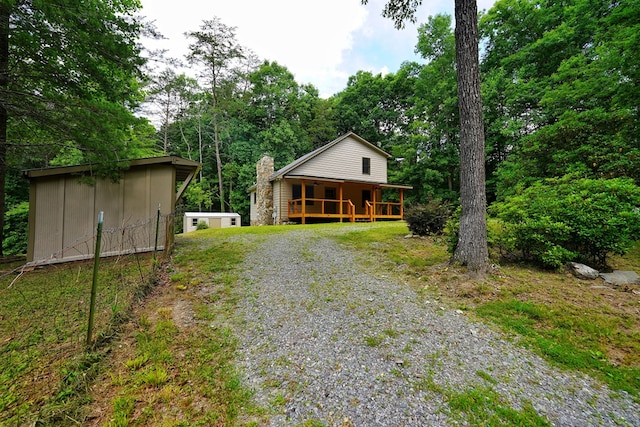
x=366, y=166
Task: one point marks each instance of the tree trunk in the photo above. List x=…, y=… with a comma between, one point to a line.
x=165, y=142
x=216, y=142
x=472, y=238
x=4, y=116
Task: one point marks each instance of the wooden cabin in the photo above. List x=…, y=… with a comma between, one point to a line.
x=343, y=180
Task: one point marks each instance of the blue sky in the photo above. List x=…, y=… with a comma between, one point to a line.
x=321, y=42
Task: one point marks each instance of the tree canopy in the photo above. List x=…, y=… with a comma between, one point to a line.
x=70, y=77
x=558, y=83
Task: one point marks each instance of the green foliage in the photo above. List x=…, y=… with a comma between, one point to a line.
x=202, y=225
x=16, y=226
x=452, y=228
x=559, y=89
x=427, y=219
x=199, y=196
x=559, y=220
x=82, y=81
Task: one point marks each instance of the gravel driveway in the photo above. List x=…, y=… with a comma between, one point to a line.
x=324, y=340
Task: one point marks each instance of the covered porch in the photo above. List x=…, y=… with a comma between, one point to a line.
x=338, y=200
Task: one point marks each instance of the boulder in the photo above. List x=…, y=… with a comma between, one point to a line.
x=582, y=271
x=620, y=277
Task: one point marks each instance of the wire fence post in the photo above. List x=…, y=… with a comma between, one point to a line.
x=155, y=247
x=94, y=283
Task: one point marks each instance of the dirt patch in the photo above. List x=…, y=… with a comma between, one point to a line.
x=107, y=386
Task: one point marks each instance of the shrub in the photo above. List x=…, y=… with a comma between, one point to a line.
x=16, y=225
x=202, y=225
x=427, y=219
x=571, y=219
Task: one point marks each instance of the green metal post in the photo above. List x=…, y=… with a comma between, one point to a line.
x=155, y=247
x=94, y=284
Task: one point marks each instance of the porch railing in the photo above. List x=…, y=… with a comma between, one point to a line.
x=329, y=208
x=383, y=210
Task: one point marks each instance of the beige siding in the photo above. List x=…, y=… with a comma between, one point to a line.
x=281, y=196
x=344, y=161
x=49, y=217
x=109, y=198
x=161, y=178
x=65, y=213
x=78, y=207
x=277, y=202
x=253, y=212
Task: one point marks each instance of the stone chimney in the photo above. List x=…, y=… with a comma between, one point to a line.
x=264, y=191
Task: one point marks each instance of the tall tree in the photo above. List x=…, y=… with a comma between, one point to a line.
x=215, y=47
x=68, y=76
x=288, y=117
x=170, y=94
x=437, y=138
x=472, y=249
x=567, y=88
x=375, y=106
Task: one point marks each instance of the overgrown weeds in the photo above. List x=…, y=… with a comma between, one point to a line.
x=45, y=366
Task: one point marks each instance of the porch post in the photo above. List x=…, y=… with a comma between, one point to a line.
x=372, y=214
x=304, y=202
x=402, y=203
x=340, y=197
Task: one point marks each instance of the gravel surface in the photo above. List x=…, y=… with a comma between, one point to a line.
x=325, y=340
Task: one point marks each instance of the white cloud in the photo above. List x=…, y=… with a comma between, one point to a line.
x=321, y=42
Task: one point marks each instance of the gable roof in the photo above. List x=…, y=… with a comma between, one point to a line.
x=302, y=160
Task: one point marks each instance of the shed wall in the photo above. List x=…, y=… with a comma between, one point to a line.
x=64, y=212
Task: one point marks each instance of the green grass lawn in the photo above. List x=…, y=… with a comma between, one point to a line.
x=45, y=366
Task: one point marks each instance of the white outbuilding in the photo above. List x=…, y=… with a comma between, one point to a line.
x=212, y=219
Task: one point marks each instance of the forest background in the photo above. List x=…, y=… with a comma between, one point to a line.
x=560, y=86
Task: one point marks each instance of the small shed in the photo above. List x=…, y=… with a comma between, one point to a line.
x=64, y=203
x=212, y=219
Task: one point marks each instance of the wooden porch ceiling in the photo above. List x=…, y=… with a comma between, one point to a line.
x=344, y=181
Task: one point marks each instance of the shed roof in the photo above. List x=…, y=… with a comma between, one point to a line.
x=184, y=167
x=212, y=215
x=296, y=163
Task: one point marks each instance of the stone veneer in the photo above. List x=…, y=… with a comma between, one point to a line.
x=264, y=191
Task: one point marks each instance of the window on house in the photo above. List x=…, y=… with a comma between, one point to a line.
x=255, y=197
x=330, y=193
x=194, y=222
x=366, y=166
x=296, y=190
x=233, y=221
